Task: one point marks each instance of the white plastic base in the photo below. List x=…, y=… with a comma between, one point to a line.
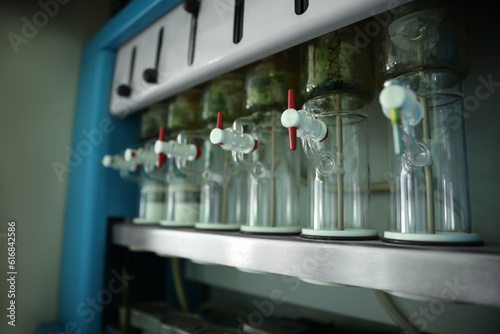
x=134, y=249
x=165, y=255
x=202, y=262
x=221, y=227
x=138, y=220
x=340, y=234
x=171, y=223
x=251, y=271
x=444, y=237
x=323, y=283
x=271, y=230
x=408, y=296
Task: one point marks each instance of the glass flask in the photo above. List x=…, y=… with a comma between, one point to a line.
x=224, y=182
x=423, y=59
x=336, y=83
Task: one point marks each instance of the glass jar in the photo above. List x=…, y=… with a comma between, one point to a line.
x=337, y=83
x=151, y=181
x=423, y=35
x=151, y=205
x=274, y=176
x=273, y=172
x=337, y=62
x=182, y=200
x=339, y=178
x=182, y=197
x=267, y=81
x=423, y=59
x=224, y=183
x=224, y=94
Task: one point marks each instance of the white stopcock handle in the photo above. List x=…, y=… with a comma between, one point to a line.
x=300, y=124
x=231, y=140
x=402, y=107
x=141, y=156
x=118, y=163
x=174, y=149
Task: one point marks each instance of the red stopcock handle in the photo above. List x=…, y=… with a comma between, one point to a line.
x=162, y=157
x=220, y=122
x=292, y=131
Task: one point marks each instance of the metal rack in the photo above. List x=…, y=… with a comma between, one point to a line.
x=453, y=274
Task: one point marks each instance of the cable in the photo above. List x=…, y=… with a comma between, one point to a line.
x=179, y=288
x=394, y=313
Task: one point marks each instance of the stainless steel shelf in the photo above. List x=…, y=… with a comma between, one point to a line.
x=456, y=274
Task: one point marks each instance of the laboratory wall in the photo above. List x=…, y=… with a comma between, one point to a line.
x=39, y=69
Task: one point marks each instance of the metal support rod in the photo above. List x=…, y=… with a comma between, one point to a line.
x=429, y=190
x=272, y=203
x=225, y=183
x=340, y=163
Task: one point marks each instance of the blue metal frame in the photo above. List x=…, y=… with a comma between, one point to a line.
x=95, y=193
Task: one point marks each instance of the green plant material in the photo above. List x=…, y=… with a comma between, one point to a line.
x=183, y=111
x=268, y=81
x=336, y=63
x=225, y=94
